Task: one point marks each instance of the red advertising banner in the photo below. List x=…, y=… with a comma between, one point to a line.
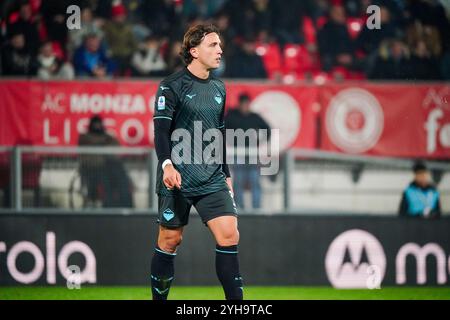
x=395, y=120
x=55, y=113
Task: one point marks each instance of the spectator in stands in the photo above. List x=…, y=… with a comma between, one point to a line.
x=120, y=38
x=55, y=17
x=27, y=26
x=393, y=62
x=204, y=9
x=246, y=174
x=336, y=47
x=148, y=61
x=162, y=17
x=90, y=59
x=432, y=13
x=245, y=63
x=174, y=60
x=424, y=65
x=417, y=31
x=287, y=30
x=50, y=66
x=88, y=26
x=369, y=40
x=420, y=199
x=16, y=58
x=104, y=173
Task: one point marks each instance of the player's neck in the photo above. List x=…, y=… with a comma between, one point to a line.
x=198, y=70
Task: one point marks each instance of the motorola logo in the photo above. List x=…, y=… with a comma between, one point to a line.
x=50, y=261
x=355, y=259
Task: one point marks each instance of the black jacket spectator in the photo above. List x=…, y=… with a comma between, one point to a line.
x=245, y=63
x=393, y=62
x=16, y=58
x=28, y=27
x=335, y=44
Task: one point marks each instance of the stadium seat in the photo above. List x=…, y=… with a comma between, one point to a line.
x=57, y=50
x=321, y=21
x=271, y=56
x=309, y=30
x=354, y=26
x=298, y=60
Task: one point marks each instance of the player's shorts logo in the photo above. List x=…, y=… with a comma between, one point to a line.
x=355, y=259
x=168, y=214
x=354, y=120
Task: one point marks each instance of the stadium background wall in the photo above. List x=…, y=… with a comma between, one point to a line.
x=274, y=250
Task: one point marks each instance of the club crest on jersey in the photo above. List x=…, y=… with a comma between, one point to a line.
x=161, y=103
x=218, y=99
x=168, y=214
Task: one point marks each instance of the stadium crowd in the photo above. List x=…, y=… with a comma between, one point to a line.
x=281, y=40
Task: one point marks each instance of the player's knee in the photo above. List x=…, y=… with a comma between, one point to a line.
x=228, y=238
x=170, y=243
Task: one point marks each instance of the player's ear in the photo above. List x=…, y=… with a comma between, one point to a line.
x=194, y=52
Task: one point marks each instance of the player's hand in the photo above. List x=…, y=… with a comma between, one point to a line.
x=171, y=177
x=230, y=185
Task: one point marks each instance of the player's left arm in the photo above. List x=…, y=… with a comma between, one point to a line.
x=225, y=167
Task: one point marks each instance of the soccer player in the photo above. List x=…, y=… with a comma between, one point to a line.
x=188, y=96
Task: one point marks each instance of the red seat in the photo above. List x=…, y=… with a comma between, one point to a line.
x=298, y=60
x=354, y=26
x=321, y=21
x=309, y=30
x=57, y=50
x=271, y=56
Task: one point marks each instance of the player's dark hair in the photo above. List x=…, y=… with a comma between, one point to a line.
x=193, y=37
x=244, y=97
x=419, y=166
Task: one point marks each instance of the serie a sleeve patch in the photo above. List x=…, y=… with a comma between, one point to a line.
x=161, y=103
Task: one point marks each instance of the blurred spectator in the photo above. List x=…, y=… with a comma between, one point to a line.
x=90, y=59
x=287, y=30
x=431, y=13
x=245, y=63
x=50, y=66
x=16, y=58
x=321, y=25
x=369, y=40
x=246, y=174
x=356, y=8
x=420, y=199
x=203, y=9
x=103, y=175
x=227, y=31
x=120, y=38
x=88, y=26
x=424, y=66
x=54, y=17
x=393, y=61
x=162, y=17
x=27, y=26
x=148, y=61
x=335, y=44
x=174, y=60
x=418, y=32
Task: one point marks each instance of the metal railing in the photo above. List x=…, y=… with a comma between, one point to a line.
x=59, y=179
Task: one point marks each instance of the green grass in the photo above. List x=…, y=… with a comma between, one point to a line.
x=214, y=293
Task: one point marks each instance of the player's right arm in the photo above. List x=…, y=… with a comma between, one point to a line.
x=165, y=109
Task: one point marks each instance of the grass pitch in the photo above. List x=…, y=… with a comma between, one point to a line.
x=216, y=293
